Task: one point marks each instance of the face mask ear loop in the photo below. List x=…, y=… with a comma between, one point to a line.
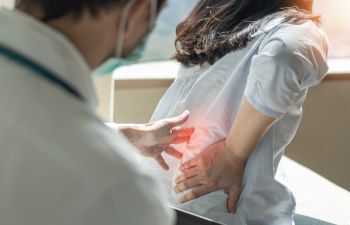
x=122, y=27
x=154, y=12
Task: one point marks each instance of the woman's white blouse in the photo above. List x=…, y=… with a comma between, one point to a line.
x=274, y=72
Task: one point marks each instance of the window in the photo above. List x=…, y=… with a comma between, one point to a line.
x=335, y=17
x=336, y=22
x=161, y=42
x=7, y=3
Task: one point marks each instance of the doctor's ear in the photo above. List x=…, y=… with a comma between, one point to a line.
x=138, y=18
x=136, y=21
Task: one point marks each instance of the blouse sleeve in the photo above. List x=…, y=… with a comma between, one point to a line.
x=286, y=64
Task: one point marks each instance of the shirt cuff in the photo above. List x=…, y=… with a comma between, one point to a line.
x=262, y=108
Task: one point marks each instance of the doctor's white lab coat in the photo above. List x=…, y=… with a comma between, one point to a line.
x=59, y=164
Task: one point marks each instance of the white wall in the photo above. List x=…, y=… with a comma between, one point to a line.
x=7, y=3
x=322, y=142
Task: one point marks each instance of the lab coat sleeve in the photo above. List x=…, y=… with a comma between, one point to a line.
x=285, y=66
x=131, y=201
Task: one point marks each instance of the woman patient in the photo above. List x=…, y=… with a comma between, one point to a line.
x=246, y=69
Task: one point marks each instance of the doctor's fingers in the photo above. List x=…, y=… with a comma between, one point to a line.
x=182, y=132
x=177, y=121
x=160, y=160
x=179, y=140
x=173, y=152
x=233, y=196
x=196, y=192
x=180, y=135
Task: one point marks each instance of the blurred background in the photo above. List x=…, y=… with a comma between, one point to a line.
x=336, y=22
x=335, y=18
x=321, y=149
x=160, y=45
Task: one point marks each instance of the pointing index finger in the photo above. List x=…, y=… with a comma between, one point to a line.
x=179, y=120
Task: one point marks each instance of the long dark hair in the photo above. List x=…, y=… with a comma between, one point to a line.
x=215, y=28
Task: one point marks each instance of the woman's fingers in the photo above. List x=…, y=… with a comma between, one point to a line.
x=186, y=175
x=196, y=192
x=232, y=200
x=187, y=184
x=189, y=164
x=160, y=160
x=173, y=152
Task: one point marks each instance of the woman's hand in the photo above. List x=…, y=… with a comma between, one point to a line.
x=222, y=165
x=155, y=138
x=216, y=168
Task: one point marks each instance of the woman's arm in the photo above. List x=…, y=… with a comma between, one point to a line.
x=248, y=128
x=221, y=166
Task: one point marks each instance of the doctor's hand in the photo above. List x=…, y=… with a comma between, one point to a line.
x=156, y=138
x=214, y=169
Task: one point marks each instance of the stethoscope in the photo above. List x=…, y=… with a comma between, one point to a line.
x=39, y=70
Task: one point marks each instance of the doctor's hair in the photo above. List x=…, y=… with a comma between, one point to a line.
x=55, y=9
x=215, y=28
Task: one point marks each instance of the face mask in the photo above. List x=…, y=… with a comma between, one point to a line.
x=137, y=53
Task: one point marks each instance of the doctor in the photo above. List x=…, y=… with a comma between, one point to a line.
x=59, y=164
